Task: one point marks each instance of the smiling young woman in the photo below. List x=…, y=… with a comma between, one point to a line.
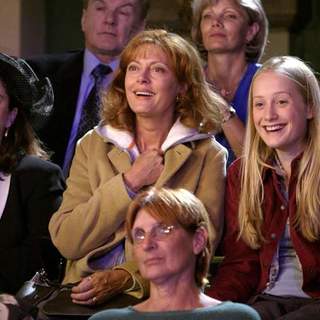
x=272, y=206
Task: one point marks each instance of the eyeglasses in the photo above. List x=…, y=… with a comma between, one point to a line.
x=159, y=232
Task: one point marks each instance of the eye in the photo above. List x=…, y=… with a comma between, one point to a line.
x=206, y=16
x=282, y=102
x=99, y=7
x=163, y=229
x=158, y=69
x=258, y=104
x=125, y=12
x=132, y=67
x=230, y=16
x=138, y=235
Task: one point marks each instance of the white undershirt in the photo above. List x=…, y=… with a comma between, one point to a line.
x=4, y=191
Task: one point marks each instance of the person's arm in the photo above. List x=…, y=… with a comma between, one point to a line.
x=93, y=207
x=234, y=130
x=238, y=275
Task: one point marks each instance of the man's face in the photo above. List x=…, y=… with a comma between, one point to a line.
x=108, y=25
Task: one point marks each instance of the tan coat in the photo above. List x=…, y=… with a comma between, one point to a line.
x=91, y=218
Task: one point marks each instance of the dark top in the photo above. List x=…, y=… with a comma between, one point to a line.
x=35, y=193
x=244, y=272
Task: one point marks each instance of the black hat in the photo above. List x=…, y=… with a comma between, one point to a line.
x=36, y=96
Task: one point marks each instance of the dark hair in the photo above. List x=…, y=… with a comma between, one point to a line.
x=21, y=139
x=143, y=4
x=176, y=206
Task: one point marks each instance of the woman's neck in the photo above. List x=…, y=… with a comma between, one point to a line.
x=151, y=134
x=225, y=72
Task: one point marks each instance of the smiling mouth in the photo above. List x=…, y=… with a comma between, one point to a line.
x=274, y=128
x=144, y=93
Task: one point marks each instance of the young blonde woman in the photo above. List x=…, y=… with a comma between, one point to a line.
x=272, y=239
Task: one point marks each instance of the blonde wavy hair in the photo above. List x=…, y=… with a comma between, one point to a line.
x=255, y=12
x=197, y=108
x=257, y=156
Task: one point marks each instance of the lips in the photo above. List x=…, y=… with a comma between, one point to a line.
x=151, y=261
x=144, y=93
x=274, y=127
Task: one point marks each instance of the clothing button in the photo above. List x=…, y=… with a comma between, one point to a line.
x=273, y=236
x=282, y=207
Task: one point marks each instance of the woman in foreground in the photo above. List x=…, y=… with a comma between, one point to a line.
x=171, y=236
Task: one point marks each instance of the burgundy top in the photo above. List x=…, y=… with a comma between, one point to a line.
x=244, y=272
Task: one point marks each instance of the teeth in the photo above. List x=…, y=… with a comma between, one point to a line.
x=274, y=127
x=144, y=93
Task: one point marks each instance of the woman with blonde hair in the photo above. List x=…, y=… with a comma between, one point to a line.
x=171, y=233
x=232, y=36
x=272, y=238
x=157, y=128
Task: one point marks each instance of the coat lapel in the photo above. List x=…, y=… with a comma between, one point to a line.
x=120, y=159
x=174, y=160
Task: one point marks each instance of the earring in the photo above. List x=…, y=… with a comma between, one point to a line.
x=6, y=132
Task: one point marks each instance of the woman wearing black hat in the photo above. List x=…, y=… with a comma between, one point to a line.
x=30, y=187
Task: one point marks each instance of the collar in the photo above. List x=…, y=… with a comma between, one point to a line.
x=91, y=61
x=124, y=140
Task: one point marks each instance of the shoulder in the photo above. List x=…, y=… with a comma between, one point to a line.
x=50, y=63
x=212, y=146
x=123, y=313
x=35, y=165
x=233, y=310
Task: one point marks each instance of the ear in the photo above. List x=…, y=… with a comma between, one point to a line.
x=309, y=114
x=11, y=117
x=252, y=31
x=183, y=89
x=83, y=19
x=200, y=240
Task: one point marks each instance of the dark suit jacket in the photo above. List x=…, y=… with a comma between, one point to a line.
x=64, y=71
x=35, y=193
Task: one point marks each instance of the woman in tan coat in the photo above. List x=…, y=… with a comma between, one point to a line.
x=157, y=129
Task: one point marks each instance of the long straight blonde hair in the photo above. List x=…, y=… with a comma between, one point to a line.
x=257, y=157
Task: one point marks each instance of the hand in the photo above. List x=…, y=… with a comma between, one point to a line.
x=101, y=286
x=145, y=170
x=8, y=299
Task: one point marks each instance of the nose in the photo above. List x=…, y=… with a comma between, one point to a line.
x=216, y=20
x=270, y=111
x=110, y=17
x=149, y=242
x=143, y=76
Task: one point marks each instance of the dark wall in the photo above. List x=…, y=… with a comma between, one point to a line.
x=305, y=33
x=63, y=28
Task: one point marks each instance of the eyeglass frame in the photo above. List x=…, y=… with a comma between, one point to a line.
x=159, y=232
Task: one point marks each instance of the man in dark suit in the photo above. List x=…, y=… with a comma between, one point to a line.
x=107, y=25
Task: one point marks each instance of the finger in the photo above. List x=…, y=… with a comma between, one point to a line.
x=85, y=285
x=83, y=296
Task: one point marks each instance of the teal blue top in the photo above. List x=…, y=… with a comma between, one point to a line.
x=223, y=311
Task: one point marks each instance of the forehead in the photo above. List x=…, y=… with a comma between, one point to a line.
x=144, y=219
x=223, y=4
x=115, y=3
x=150, y=51
x=272, y=81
